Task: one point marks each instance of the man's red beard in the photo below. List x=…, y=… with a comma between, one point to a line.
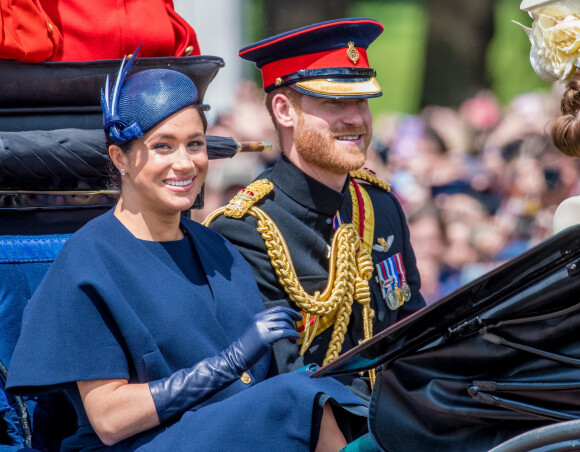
x=318, y=148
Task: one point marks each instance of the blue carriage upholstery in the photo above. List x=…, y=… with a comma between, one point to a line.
x=24, y=259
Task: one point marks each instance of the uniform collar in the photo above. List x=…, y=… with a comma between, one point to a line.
x=306, y=190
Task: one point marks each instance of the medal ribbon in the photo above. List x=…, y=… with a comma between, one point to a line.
x=384, y=278
x=400, y=268
x=392, y=271
x=364, y=222
x=336, y=221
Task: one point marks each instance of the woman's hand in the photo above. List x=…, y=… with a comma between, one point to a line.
x=265, y=329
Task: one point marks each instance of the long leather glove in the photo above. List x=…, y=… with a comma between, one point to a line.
x=186, y=388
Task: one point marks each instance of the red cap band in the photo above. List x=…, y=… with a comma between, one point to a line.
x=321, y=60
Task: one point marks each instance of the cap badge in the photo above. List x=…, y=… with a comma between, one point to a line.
x=352, y=53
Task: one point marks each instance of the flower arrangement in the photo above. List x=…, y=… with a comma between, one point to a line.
x=555, y=39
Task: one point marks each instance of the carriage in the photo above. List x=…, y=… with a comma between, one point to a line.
x=487, y=366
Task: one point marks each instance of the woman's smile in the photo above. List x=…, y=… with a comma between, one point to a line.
x=180, y=185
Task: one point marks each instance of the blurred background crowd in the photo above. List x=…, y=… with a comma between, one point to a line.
x=478, y=183
x=461, y=132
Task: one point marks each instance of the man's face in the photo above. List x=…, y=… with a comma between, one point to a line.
x=333, y=134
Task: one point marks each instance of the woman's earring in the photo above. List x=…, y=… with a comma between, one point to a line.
x=122, y=171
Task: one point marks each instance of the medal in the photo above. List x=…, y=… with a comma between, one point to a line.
x=400, y=297
x=403, y=276
x=406, y=292
x=393, y=282
x=395, y=298
x=391, y=300
x=394, y=293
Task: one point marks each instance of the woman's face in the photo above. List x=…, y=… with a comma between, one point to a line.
x=165, y=170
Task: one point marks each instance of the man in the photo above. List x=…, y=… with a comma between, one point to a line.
x=322, y=235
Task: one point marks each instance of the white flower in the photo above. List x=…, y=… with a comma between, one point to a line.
x=555, y=39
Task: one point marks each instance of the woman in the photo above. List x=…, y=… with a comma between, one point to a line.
x=555, y=55
x=141, y=294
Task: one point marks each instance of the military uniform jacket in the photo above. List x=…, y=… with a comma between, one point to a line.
x=303, y=209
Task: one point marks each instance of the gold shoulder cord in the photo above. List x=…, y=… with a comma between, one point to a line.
x=350, y=267
x=371, y=178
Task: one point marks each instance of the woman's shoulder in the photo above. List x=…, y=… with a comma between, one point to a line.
x=94, y=225
x=93, y=236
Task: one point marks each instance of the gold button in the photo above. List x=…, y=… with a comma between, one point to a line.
x=130, y=56
x=278, y=81
x=188, y=51
x=246, y=379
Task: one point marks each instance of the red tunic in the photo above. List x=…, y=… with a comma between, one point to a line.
x=110, y=29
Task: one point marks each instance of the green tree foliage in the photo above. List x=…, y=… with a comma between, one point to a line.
x=474, y=54
x=508, y=60
x=398, y=54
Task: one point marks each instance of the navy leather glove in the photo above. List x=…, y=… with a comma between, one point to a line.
x=266, y=328
x=186, y=388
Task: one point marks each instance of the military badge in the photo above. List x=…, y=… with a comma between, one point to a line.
x=383, y=245
x=392, y=278
x=247, y=197
x=352, y=53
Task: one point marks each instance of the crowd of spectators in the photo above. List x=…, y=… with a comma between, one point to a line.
x=479, y=183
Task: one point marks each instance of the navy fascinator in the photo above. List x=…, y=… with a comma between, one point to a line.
x=139, y=102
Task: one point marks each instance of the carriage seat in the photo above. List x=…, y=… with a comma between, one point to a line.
x=24, y=259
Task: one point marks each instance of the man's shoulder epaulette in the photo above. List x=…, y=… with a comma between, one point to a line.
x=370, y=177
x=247, y=197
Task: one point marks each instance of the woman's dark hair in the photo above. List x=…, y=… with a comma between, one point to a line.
x=566, y=129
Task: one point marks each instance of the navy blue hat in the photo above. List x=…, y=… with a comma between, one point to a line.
x=327, y=59
x=141, y=101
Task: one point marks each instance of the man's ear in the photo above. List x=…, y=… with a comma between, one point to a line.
x=118, y=157
x=284, y=111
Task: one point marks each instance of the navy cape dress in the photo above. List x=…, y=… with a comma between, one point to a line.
x=111, y=308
